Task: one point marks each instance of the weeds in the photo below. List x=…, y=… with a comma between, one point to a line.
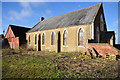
x=20, y=64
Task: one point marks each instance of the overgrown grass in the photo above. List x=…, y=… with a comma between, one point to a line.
x=27, y=66
x=33, y=64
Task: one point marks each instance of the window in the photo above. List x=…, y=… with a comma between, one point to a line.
x=35, y=38
x=80, y=37
x=65, y=38
x=101, y=18
x=97, y=34
x=97, y=29
x=101, y=23
x=29, y=39
x=43, y=39
x=52, y=38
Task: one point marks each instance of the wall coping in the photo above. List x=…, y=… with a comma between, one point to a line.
x=103, y=44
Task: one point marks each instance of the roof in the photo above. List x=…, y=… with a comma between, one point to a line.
x=79, y=17
x=19, y=31
x=107, y=35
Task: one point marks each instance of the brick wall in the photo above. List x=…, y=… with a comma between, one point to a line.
x=103, y=48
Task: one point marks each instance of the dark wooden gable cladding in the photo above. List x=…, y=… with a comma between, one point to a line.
x=20, y=32
x=105, y=36
x=97, y=17
x=97, y=25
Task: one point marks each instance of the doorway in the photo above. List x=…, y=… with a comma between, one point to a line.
x=39, y=42
x=59, y=42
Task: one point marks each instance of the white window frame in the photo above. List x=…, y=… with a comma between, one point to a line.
x=78, y=37
x=44, y=39
x=66, y=39
x=36, y=39
x=51, y=39
x=29, y=39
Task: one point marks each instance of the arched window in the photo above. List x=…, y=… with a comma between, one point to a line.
x=52, y=38
x=101, y=23
x=65, y=38
x=97, y=34
x=29, y=39
x=101, y=18
x=35, y=38
x=43, y=39
x=97, y=29
x=80, y=37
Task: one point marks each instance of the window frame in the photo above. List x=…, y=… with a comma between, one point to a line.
x=29, y=39
x=101, y=22
x=78, y=40
x=65, y=38
x=98, y=34
x=43, y=38
x=52, y=38
x=35, y=39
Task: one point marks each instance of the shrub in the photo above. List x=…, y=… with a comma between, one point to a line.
x=30, y=49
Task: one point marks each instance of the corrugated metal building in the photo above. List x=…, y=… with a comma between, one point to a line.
x=16, y=36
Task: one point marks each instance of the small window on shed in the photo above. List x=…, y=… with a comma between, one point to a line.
x=35, y=38
x=52, y=38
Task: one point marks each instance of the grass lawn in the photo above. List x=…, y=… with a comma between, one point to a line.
x=32, y=64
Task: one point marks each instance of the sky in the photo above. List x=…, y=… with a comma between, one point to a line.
x=28, y=14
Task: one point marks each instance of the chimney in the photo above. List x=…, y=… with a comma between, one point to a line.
x=41, y=18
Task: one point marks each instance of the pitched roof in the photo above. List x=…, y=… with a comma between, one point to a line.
x=82, y=16
x=19, y=31
x=107, y=35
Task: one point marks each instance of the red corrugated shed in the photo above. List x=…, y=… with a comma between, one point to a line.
x=16, y=36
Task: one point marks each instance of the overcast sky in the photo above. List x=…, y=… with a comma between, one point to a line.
x=29, y=13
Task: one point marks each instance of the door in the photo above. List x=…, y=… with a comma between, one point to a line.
x=59, y=42
x=39, y=42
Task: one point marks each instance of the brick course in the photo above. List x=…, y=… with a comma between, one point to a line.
x=103, y=49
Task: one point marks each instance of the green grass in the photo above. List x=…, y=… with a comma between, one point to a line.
x=20, y=64
x=27, y=66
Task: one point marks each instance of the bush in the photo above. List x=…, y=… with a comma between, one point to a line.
x=30, y=49
x=9, y=51
x=23, y=46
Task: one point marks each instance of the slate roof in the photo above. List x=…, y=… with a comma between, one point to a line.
x=19, y=31
x=82, y=16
